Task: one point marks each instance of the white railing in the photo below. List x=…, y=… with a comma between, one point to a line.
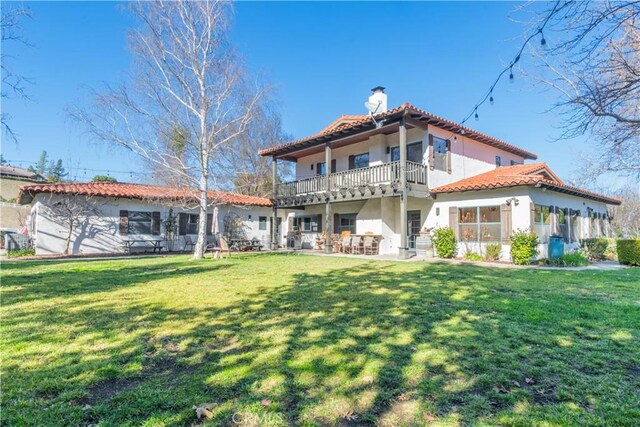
x=385, y=173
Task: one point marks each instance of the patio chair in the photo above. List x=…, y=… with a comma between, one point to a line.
x=218, y=251
x=336, y=243
x=188, y=242
x=345, y=246
x=355, y=245
x=370, y=245
x=320, y=241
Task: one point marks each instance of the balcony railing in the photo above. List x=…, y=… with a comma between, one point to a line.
x=386, y=173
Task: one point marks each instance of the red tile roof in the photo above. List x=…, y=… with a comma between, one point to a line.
x=534, y=174
x=342, y=120
x=135, y=191
x=334, y=132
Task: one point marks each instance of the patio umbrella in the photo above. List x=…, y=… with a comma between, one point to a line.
x=215, y=226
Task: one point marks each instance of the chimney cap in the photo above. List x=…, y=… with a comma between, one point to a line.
x=377, y=89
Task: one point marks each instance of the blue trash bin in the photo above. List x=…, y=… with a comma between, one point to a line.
x=556, y=247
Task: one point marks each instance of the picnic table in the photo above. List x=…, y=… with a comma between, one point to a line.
x=155, y=244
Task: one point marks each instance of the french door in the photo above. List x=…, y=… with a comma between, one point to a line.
x=413, y=228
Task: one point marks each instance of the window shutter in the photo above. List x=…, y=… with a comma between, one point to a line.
x=124, y=223
x=553, y=219
x=431, y=154
x=182, y=224
x=352, y=162
x=333, y=166
x=448, y=155
x=209, y=223
x=505, y=223
x=319, y=223
x=532, y=215
x=453, y=219
x=336, y=224
x=155, y=223
x=318, y=168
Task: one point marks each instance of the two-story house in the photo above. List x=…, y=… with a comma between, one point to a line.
x=400, y=170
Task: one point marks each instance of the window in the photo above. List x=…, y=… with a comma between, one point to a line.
x=480, y=224
x=359, y=161
x=262, y=223
x=139, y=222
x=542, y=222
x=345, y=222
x=604, y=222
x=306, y=224
x=562, y=224
x=192, y=223
x=593, y=222
x=321, y=168
x=513, y=163
x=498, y=161
x=440, y=151
x=414, y=152
x=575, y=226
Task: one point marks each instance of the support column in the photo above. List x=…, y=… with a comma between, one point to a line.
x=404, y=241
x=327, y=208
x=274, y=218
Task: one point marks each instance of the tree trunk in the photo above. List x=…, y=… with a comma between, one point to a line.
x=68, y=241
x=201, y=243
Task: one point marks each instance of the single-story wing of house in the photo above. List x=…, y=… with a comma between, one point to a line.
x=109, y=216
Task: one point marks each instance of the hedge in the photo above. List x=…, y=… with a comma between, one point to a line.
x=444, y=241
x=629, y=251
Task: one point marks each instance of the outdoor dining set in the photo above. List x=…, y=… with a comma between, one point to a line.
x=347, y=243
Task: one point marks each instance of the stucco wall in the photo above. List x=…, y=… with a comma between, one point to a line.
x=99, y=233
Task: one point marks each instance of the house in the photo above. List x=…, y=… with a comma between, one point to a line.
x=403, y=169
x=119, y=212
x=13, y=215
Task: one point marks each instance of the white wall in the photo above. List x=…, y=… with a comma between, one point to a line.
x=100, y=233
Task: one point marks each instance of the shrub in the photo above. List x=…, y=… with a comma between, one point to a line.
x=17, y=253
x=595, y=248
x=444, y=241
x=524, y=246
x=575, y=259
x=472, y=256
x=492, y=251
x=629, y=251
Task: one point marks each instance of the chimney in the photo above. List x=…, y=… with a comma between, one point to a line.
x=378, y=97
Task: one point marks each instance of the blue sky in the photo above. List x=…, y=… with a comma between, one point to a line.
x=322, y=58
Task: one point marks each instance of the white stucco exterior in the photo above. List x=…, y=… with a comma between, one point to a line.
x=100, y=233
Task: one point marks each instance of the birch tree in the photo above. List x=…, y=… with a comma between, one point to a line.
x=188, y=101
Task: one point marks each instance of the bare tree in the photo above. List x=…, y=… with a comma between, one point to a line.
x=71, y=210
x=189, y=99
x=625, y=219
x=13, y=84
x=252, y=173
x=594, y=63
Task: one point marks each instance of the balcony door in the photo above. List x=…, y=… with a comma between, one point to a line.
x=413, y=228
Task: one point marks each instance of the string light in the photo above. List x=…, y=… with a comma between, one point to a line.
x=488, y=96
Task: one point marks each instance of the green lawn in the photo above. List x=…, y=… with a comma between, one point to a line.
x=304, y=340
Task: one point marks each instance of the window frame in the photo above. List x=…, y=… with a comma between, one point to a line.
x=351, y=226
x=440, y=158
x=262, y=223
x=131, y=221
x=192, y=227
x=541, y=227
x=498, y=161
x=306, y=223
x=395, y=150
x=479, y=224
x=352, y=161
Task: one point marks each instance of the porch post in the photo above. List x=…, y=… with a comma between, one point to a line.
x=274, y=217
x=328, y=215
x=404, y=243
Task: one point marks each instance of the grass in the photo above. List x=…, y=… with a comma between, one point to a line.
x=316, y=341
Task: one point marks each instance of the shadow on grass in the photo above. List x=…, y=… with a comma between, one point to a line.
x=371, y=344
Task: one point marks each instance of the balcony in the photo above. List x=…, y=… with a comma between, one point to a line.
x=353, y=184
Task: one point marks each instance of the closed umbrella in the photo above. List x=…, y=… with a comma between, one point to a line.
x=215, y=226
